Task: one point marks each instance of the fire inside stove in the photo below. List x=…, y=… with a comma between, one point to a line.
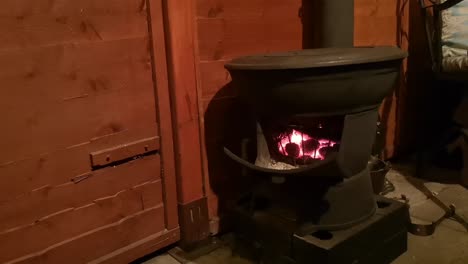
x=299, y=145
x=288, y=142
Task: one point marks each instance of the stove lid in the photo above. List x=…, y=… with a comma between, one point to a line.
x=316, y=58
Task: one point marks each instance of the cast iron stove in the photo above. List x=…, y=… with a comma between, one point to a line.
x=316, y=112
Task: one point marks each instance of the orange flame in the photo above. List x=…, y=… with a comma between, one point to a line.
x=299, y=138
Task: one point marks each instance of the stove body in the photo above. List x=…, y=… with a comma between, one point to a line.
x=316, y=113
x=272, y=236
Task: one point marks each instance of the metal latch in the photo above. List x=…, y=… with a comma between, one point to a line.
x=125, y=151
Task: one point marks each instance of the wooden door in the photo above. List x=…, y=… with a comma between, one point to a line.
x=86, y=155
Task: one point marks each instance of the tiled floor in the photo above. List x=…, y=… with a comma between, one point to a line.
x=448, y=245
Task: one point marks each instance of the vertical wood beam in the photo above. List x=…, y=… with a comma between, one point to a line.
x=179, y=28
x=160, y=79
x=180, y=31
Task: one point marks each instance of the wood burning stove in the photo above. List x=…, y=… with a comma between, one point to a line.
x=316, y=113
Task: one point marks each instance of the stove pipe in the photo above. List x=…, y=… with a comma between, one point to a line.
x=328, y=23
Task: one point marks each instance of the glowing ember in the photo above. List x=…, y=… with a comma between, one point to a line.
x=298, y=144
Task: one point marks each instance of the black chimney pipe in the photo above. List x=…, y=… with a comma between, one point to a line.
x=328, y=23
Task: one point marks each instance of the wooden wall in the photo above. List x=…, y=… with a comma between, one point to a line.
x=230, y=28
x=77, y=78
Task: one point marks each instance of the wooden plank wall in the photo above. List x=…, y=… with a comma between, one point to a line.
x=230, y=28
x=76, y=77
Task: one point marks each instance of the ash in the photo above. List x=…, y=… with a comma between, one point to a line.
x=264, y=159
